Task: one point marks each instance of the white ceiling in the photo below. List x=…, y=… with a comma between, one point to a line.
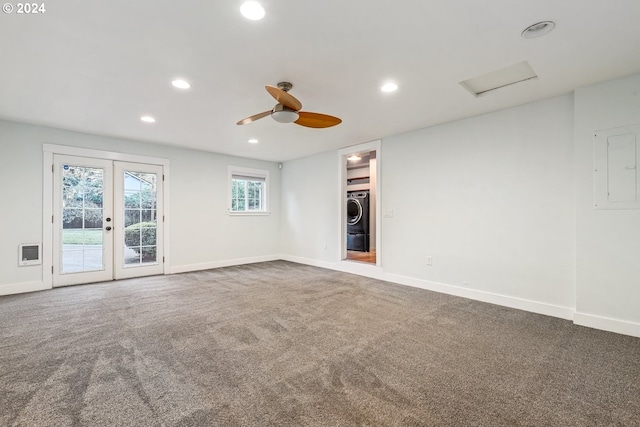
x=98, y=65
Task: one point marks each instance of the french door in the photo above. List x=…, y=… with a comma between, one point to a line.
x=107, y=220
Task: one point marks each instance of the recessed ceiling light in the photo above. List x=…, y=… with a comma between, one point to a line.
x=353, y=157
x=252, y=10
x=148, y=119
x=253, y=141
x=538, y=29
x=181, y=84
x=389, y=87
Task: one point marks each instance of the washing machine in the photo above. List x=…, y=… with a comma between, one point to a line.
x=358, y=221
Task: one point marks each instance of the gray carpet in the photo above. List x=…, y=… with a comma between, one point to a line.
x=284, y=344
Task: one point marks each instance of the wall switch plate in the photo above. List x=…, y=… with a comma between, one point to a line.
x=388, y=214
x=429, y=260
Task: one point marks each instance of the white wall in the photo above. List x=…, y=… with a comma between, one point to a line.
x=310, y=208
x=202, y=235
x=608, y=241
x=490, y=198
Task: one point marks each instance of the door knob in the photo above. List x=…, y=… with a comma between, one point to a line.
x=108, y=228
x=108, y=219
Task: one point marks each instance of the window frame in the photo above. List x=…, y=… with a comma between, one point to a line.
x=261, y=174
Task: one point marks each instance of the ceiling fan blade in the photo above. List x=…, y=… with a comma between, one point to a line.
x=316, y=120
x=254, y=118
x=284, y=98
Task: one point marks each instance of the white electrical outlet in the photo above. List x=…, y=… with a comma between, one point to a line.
x=429, y=260
x=388, y=214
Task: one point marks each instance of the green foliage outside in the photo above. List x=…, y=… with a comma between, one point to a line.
x=145, y=199
x=246, y=195
x=141, y=234
x=82, y=197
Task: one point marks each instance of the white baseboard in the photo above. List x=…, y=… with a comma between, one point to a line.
x=309, y=261
x=490, y=297
x=19, y=288
x=359, y=268
x=377, y=273
x=607, y=324
x=223, y=263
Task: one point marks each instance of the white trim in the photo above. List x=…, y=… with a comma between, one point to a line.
x=247, y=213
x=343, y=153
x=166, y=170
x=607, y=324
x=362, y=269
x=223, y=263
x=47, y=225
x=20, y=288
x=547, y=309
x=100, y=154
x=308, y=261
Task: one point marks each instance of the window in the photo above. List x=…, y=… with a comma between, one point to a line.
x=248, y=190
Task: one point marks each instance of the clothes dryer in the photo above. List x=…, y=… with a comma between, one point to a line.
x=358, y=221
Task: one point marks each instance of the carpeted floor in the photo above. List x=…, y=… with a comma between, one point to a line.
x=284, y=344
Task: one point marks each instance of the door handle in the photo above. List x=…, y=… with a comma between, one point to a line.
x=108, y=228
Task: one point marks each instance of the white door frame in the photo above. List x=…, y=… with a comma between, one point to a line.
x=342, y=161
x=47, y=198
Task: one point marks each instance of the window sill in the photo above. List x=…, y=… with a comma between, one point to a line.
x=249, y=213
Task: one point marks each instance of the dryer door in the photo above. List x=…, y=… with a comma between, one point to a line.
x=354, y=215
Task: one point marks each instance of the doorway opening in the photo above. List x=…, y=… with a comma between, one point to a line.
x=106, y=215
x=360, y=201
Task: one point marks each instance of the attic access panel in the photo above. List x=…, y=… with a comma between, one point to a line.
x=517, y=73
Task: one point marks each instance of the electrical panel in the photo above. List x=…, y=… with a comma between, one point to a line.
x=616, y=158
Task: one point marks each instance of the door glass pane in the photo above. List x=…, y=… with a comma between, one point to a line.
x=131, y=216
x=140, y=214
x=82, y=213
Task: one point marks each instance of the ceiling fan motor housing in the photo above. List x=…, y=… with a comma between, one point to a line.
x=285, y=86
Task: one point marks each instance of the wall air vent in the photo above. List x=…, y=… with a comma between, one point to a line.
x=503, y=77
x=29, y=254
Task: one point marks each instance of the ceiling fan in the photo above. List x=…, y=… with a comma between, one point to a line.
x=287, y=110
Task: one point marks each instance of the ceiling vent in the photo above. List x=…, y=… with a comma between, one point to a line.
x=503, y=77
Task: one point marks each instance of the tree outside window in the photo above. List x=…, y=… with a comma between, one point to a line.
x=248, y=190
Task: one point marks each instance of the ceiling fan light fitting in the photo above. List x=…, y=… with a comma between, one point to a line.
x=283, y=114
